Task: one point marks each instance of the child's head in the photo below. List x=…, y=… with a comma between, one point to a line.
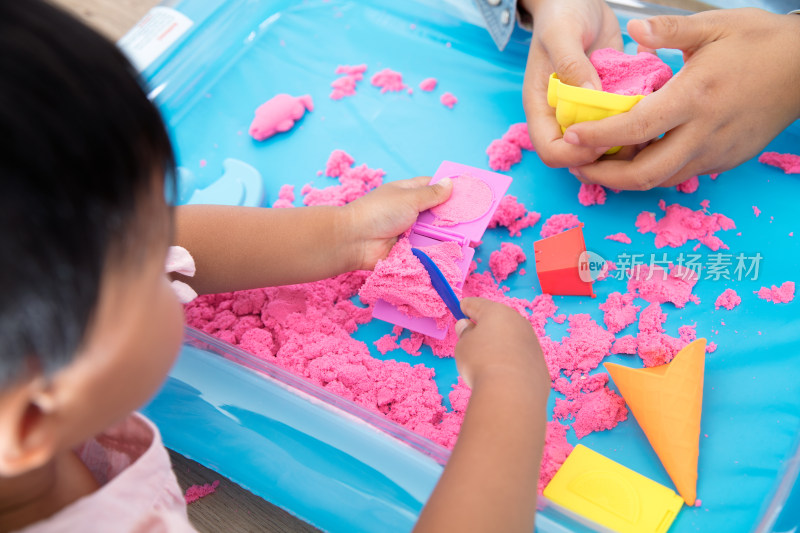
x=88, y=322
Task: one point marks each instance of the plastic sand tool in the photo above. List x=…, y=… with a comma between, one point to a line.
x=577, y=104
x=558, y=259
x=240, y=184
x=667, y=401
x=602, y=490
x=466, y=234
x=439, y=283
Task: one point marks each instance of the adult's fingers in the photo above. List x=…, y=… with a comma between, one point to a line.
x=567, y=55
x=656, y=114
x=671, y=31
x=666, y=159
x=542, y=125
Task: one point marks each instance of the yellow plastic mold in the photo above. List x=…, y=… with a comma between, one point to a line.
x=612, y=495
x=576, y=104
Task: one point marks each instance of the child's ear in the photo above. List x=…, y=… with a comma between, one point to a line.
x=29, y=428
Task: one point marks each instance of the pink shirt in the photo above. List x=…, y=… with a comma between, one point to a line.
x=138, y=490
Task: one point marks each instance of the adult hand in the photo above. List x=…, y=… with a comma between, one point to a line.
x=737, y=91
x=564, y=33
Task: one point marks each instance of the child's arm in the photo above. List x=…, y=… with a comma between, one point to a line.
x=490, y=482
x=237, y=248
x=735, y=93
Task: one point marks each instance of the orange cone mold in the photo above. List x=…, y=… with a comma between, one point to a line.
x=667, y=401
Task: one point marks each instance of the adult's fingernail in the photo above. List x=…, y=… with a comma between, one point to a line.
x=588, y=85
x=461, y=325
x=445, y=182
x=570, y=137
x=646, y=27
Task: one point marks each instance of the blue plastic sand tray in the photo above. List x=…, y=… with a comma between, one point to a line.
x=344, y=468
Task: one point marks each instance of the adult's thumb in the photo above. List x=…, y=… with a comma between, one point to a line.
x=685, y=33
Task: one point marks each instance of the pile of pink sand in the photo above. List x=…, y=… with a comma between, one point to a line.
x=728, y=299
x=789, y=163
x=346, y=84
x=507, y=151
x=353, y=182
x=680, y=225
x=591, y=194
x=285, y=197
x=779, y=295
x=558, y=223
x=630, y=75
x=388, y=80
x=512, y=214
x=506, y=260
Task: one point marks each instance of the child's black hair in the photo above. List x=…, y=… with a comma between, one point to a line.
x=81, y=151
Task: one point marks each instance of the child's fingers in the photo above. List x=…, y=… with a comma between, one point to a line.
x=432, y=195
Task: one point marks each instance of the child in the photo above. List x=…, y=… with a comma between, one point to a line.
x=90, y=325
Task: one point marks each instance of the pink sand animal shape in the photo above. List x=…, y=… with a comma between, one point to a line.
x=279, y=114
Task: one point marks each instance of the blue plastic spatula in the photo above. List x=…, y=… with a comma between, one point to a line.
x=440, y=283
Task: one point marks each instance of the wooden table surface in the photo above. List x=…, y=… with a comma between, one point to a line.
x=231, y=508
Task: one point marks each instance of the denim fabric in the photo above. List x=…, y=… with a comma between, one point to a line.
x=500, y=17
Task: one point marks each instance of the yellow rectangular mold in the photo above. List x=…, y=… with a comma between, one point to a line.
x=612, y=495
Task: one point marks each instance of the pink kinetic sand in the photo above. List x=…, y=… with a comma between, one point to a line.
x=556, y=451
x=630, y=75
x=680, y=225
x=338, y=163
x=507, y=151
x=654, y=346
x=619, y=311
x=656, y=285
x=558, y=223
x=388, y=80
x=279, y=114
x=689, y=186
x=285, y=197
x=619, y=237
x=789, y=163
x=195, y=492
x=591, y=194
x=779, y=295
x=728, y=299
x=504, y=261
x=756, y=211
x=448, y=100
x=470, y=199
x=518, y=134
x=402, y=281
x=594, y=411
x=503, y=154
x=585, y=347
x=512, y=214
x=354, y=182
x=346, y=85
x=428, y=84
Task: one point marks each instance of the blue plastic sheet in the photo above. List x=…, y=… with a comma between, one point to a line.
x=241, y=53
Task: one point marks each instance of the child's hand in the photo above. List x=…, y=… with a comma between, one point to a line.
x=737, y=90
x=379, y=217
x=498, y=342
x=564, y=33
